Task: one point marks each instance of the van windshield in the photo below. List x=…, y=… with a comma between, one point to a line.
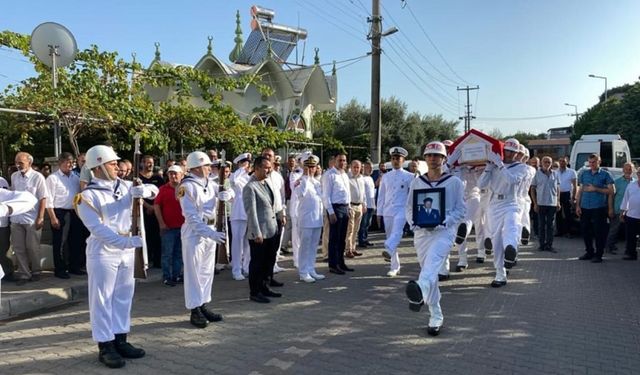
x=606, y=154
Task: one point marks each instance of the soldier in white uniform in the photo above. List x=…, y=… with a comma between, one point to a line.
x=12, y=203
x=240, y=252
x=198, y=196
x=433, y=244
x=525, y=198
x=504, y=179
x=293, y=181
x=104, y=207
x=392, y=197
x=310, y=219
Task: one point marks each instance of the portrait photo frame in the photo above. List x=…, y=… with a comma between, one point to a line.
x=429, y=207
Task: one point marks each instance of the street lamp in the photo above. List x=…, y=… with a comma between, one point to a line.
x=605, y=84
x=575, y=107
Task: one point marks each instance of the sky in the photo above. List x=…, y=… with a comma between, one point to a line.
x=528, y=58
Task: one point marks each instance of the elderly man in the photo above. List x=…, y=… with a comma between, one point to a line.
x=63, y=185
x=263, y=230
x=357, y=207
x=392, y=197
x=545, y=189
x=26, y=228
x=104, y=207
x=621, y=184
x=169, y=214
x=594, y=202
x=568, y=187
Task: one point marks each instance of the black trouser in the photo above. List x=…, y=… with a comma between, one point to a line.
x=632, y=232
x=5, y=262
x=152, y=237
x=338, y=235
x=73, y=241
x=263, y=257
x=564, y=215
x=546, y=218
x=593, y=221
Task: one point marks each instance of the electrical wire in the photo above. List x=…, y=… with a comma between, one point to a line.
x=361, y=6
x=331, y=21
x=541, y=117
x=408, y=6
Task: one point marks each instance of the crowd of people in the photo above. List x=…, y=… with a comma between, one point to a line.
x=200, y=211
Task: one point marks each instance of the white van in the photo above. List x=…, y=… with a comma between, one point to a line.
x=614, y=152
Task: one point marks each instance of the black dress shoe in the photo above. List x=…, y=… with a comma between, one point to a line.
x=345, y=268
x=461, y=235
x=586, y=256
x=510, y=254
x=414, y=293
x=260, y=298
x=210, y=315
x=362, y=245
x=498, y=284
x=479, y=260
x=460, y=268
x=109, y=356
x=386, y=255
x=271, y=293
x=198, y=319
x=524, y=239
x=77, y=272
x=443, y=277
x=596, y=260
x=369, y=243
x=630, y=257
x=275, y=283
x=125, y=349
x=488, y=245
x=336, y=270
x=62, y=275
x=434, y=331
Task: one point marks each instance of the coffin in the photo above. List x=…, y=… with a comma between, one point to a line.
x=475, y=146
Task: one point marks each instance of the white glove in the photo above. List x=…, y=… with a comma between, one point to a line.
x=219, y=237
x=137, y=191
x=440, y=227
x=455, y=155
x=489, y=167
x=134, y=241
x=495, y=159
x=415, y=228
x=224, y=196
x=4, y=210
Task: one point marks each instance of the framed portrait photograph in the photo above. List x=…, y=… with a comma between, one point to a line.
x=428, y=207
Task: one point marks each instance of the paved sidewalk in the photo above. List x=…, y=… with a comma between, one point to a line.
x=557, y=315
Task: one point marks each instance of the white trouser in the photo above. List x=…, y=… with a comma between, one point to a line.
x=240, y=252
x=481, y=224
x=295, y=240
x=393, y=226
x=525, y=219
x=111, y=286
x=504, y=230
x=432, y=248
x=309, y=238
x=199, y=259
x=473, y=208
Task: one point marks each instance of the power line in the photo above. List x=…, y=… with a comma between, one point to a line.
x=366, y=11
x=329, y=20
x=523, y=118
x=417, y=86
x=408, y=6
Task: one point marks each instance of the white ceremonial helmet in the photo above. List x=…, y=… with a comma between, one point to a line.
x=435, y=147
x=98, y=155
x=197, y=159
x=512, y=144
x=447, y=142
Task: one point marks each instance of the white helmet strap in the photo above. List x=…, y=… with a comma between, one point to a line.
x=106, y=174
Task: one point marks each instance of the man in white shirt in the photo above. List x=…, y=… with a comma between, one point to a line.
x=27, y=227
x=568, y=186
x=336, y=197
x=63, y=185
x=392, y=197
x=630, y=215
x=370, y=199
x=356, y=208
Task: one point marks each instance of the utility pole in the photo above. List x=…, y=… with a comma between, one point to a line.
x=468, y=117
x=376, y=114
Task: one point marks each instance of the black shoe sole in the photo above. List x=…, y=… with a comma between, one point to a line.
x=498, y=284
x=488, y=245
x=386, y=255
x=479, y=260
x=525, y=236
x=259, y=300
x=434, y=331
x=336, y=271
x=443, y=277
x=414, y=294
x=461, y=235
x=510, y=254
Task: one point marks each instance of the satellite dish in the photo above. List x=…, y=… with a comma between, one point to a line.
x=53, y=44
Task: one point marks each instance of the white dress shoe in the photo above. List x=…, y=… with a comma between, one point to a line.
x=277, y=269
x=317, y=276
x=307, y=279
x=393, y=273
x=238, y=277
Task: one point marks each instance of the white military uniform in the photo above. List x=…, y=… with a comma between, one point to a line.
x=433, y=244
x=482, y=224
x=240, y=253
x=198, y=200
x=524, y=200
x=392, y=198
x=105, y=209
x=310, y=219
x=503, y=228
x=294, y=176
x=19, y=201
